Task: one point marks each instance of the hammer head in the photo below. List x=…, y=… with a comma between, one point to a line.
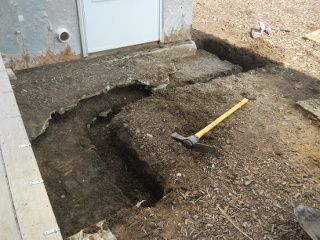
x=191, y=142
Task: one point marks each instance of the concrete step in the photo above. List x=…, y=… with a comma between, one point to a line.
x=201, y=67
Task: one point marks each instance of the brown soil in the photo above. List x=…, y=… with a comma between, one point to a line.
x=257, y=178
x=231, y=21
x=80, y=164
x=110, y=152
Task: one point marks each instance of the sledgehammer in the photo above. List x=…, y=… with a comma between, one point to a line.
x=192, y=141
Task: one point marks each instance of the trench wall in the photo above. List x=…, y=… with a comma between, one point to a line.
x=28, y=30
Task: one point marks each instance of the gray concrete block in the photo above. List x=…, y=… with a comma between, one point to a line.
x=202, y=67
x=176, y=51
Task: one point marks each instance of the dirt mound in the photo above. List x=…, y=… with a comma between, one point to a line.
x=257, y=177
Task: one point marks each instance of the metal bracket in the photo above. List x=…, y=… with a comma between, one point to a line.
x=36, y=182
x=25, y=145
x=54, y=230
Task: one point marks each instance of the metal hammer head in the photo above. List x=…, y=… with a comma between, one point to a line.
x=192, y=142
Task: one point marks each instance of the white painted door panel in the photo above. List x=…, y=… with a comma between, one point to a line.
x=110, y=24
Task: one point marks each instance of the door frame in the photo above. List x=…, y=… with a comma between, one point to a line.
x=81, y=18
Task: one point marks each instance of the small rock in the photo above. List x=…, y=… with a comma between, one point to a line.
x=245, y=224
x=209, y=225
x=237, y=182
x=139, y=203
x=297, y=195
x=93, y=120
x=286, y=118
x=149, y=135
x=226, y=147
x=278, y=206
x=63, y=196
x=179, y=174
x=105, y=113
x=196, y=193
x=247, y=183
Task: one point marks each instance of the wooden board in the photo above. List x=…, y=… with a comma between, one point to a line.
x=9, y=225
x=32, y=207
x=312, y=106
x=2, y=67
x=314, y=36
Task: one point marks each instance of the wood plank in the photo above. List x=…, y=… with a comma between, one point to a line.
x=31, y=203
x=9, y=225
x=314, y=36
x=312, y=106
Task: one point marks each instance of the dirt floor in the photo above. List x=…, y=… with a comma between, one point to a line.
x=107, y=153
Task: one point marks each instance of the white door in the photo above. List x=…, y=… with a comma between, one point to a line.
x=109, y=24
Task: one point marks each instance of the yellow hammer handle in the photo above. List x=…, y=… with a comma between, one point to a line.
x=221, y=118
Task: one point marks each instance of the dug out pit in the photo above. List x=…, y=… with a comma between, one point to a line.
x=89, y=173
x=100, y=157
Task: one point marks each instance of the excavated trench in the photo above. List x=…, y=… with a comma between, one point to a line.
x=90, y=174
x=245, y=58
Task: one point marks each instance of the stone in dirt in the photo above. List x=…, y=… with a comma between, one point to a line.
x=312, y=106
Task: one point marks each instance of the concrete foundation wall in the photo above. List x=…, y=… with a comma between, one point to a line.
x=177, y=20
x=28, y=30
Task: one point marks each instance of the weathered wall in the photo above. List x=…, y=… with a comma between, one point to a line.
x=177, y=20
x=28, y=32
